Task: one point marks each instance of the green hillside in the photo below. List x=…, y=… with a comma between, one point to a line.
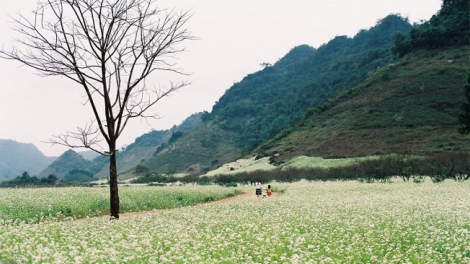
x=393, y=88
x=257, y=108
x=143, y=147
x=265, y=102
x=68, y=161
x=409, y=106
x=202, y=149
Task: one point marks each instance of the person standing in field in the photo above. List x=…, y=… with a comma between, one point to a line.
x=269, y=191
x=258, y=189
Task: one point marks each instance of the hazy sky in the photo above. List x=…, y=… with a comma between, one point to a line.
x=235, y=36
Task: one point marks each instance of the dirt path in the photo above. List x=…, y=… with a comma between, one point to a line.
x=245, y=195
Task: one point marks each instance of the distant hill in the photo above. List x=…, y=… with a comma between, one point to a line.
x=143, y=148
x=68, y=161
x=198, y=151
x=88, y=154
x=16, y=158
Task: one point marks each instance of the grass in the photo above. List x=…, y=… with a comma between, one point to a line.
x=318, y=162
x=252, y=164
x=243, y=165
x=320, y=222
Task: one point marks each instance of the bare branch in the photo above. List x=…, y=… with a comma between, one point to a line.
x=86, y=137
x=109, y=48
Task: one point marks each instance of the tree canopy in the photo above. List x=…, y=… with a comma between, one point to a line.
x=449, y=27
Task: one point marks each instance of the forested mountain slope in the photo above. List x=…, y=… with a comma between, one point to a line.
x=68, y=161
x=411, y=105
x=263, y=103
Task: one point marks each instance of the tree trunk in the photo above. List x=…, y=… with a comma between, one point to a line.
x=113, y=186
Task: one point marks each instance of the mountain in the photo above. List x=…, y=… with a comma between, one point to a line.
x=145, y=146
x=198, y=151
x=16, y=158
x=88, y=154
x=409, y=106
x=72, y=164
x=389, y=89
x=68, y=161
x=264, y=103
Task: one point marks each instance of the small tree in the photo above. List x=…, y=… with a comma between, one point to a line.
x=109, y=48
x=464, y=118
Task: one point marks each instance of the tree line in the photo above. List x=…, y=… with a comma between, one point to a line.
x=437, y=167
x=26, y=180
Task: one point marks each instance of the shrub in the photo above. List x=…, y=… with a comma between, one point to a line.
x=231, y=184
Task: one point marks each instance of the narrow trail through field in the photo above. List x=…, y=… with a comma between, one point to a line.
x=244, y=196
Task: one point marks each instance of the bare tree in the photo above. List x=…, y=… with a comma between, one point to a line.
x=109, y=47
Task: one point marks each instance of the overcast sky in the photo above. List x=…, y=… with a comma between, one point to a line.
x=235, y=36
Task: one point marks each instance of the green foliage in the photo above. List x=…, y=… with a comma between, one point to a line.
x=156, y=184
x=79, y=176
x=175, y=136
x=464, y=118
x=25, y=180
x=139, y=169
x=264, y=103
x=449, y=27
x=50, y=180
x=231, y=184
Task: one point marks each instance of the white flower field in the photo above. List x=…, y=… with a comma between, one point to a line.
x=319, y=222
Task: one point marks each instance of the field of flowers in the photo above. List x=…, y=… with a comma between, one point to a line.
x=320, y=222
x=34, y=205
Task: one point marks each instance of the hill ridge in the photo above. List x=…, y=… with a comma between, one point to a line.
x=16, y=158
